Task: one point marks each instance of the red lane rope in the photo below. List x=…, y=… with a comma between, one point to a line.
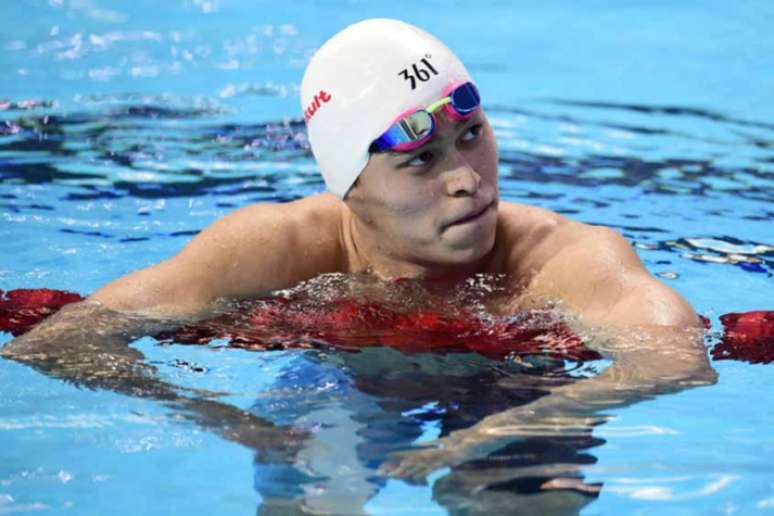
x=279, y=323
x=21, y=309
x=748, y=336
x=350, y=324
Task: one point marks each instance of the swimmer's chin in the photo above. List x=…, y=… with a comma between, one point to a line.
x=468, y=245
x=445, y=264
x=461, y=261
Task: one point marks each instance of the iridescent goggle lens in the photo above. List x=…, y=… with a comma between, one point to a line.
x=413, y=130
x=464, y=100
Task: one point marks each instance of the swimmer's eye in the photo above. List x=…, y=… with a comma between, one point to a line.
x=472, y=133
x=420, y=160
x=425, y=158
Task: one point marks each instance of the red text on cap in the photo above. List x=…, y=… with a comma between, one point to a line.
x=317, y=101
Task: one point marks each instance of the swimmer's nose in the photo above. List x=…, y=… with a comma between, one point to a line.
x=462, y=181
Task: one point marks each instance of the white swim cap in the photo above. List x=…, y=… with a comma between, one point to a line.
x=359, y=81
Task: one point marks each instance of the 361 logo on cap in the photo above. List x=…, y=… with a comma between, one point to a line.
x=420, y=71
x=319, y=99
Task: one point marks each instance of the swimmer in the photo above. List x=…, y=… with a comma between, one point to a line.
x=410, y=161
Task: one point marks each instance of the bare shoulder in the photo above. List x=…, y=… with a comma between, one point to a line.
x=593, y=271
x=269, y=246
x=317, y=214
x=250, y=252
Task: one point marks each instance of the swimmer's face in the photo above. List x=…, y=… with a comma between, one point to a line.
x=436, y=204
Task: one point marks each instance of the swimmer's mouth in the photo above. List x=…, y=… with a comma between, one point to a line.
x=471, y=217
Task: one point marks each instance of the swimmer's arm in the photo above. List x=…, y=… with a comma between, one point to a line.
x=657, y=360
x=86, y=344
x=254, y=251
x=249, y=253
x=652, y=335
x=646, y=327
x=182, y=289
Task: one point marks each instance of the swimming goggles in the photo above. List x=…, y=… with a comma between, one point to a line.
x=415, y=127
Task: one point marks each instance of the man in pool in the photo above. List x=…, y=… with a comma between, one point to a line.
x=408, y=155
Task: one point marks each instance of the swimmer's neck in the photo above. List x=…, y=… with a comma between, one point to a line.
x=364, y=254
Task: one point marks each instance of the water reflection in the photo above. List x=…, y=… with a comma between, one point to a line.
x=362, y=407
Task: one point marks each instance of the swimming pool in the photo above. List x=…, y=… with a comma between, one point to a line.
x=128, y=126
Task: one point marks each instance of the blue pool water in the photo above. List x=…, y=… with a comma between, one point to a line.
x=127, y=127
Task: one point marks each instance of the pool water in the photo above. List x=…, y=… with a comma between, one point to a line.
x=127, y=127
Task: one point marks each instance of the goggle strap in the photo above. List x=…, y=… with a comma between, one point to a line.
x=435, y=106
